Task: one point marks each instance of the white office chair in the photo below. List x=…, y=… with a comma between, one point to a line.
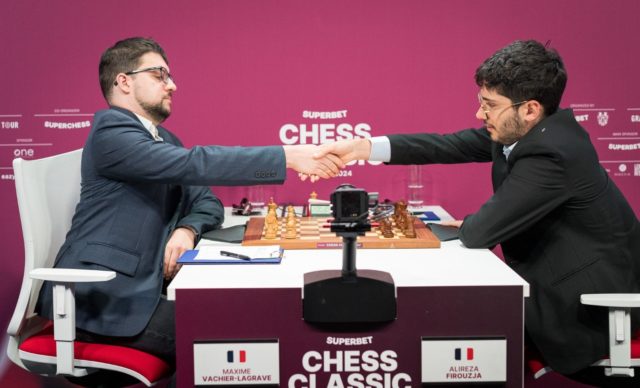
x=623, y=359
x=624, y=345
x=48, y=190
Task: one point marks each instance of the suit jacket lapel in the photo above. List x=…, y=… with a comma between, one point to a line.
x=499, y=170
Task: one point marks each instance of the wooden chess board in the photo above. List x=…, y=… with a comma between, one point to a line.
x=312, y=234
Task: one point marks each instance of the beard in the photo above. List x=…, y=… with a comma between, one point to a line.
x=157, y=112
x=512, y=130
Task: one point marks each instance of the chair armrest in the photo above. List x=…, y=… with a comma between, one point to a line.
x=619, y=306
x=611, y=300
x=64, y=310
x=69, y=275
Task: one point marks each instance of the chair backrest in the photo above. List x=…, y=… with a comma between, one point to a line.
x=48, y=191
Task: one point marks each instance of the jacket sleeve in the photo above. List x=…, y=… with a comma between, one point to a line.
x=536, y=186
x=203, y=212
x=123, y=151
x=469, y=145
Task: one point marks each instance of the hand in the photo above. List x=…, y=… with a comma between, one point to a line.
x=346, y=150
x=181, y=240
x=301, y=158
x=456, y=223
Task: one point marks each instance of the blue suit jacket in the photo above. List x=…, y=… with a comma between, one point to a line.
x=135, y=192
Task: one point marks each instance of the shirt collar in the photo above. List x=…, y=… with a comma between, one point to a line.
x=149, y=126
x=146, y=122
x=506, y=150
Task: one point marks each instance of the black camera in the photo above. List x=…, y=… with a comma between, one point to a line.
x=349, y=204
x=350, y=210
x=349, y=296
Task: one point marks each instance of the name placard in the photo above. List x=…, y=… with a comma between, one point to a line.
x=237, y=362
x=464, y=360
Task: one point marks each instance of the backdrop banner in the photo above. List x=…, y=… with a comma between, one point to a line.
x=264, y=72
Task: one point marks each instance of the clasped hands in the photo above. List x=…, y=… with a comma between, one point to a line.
x=325, y=161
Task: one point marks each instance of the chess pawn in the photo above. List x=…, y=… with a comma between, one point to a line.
x=291, y=225
x=291, y=212
x=386, y=228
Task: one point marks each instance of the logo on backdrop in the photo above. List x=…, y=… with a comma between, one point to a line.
x=67, y=125
x=320, y=127
x=624, y=147
x=582, y=117
x=603, y=118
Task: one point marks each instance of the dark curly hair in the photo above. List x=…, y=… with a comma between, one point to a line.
x=124, y=56
x=525, y=70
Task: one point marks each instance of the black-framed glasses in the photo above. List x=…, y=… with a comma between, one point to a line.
x=160, y=71
x=486, y=109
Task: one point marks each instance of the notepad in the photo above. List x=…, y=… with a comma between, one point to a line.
x=233, y=254
x=428, y=216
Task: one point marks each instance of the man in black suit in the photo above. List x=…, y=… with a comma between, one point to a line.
x=145, y=200
x=563, y=224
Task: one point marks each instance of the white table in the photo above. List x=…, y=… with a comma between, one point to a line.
x=451, y=265
x=448, y=292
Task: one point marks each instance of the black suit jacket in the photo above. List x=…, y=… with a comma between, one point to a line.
x=135, y=192
x=563, y=224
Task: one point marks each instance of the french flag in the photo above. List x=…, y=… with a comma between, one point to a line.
x=236, y=356
x=458, y=354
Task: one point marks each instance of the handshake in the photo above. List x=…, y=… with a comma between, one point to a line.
x=326, y=160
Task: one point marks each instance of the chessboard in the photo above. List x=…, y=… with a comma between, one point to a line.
x=315, y=233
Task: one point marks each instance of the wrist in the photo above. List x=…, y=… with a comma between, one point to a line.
x=363, y=147
x=288, y=155
x=193, y=233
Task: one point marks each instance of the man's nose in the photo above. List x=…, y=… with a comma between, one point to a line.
x=171, y=85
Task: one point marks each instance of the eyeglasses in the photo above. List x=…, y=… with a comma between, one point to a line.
x=162, y=73
x=486, y=110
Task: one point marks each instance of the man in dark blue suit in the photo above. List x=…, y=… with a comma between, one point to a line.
x=561, y=221
x=145, y=200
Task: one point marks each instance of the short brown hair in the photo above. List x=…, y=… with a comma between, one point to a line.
x=124, y=56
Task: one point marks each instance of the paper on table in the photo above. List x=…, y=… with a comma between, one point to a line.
x=259, y=252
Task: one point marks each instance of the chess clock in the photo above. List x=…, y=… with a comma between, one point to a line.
x=319, y=208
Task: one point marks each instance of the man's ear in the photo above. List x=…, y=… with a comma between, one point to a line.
x=534, y=111
x=122, y=82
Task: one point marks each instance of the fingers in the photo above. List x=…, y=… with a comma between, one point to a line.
x=181, y=240
x=330, y=165
x=323, y=150
x=314, y=162
x=170, y=262
x=336, y=161
x=312, y=178
x=171, y=266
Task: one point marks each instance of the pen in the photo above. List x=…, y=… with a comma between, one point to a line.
x=235, y=255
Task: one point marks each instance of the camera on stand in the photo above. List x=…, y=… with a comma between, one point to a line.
x=349, y=296
x=350, y=210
